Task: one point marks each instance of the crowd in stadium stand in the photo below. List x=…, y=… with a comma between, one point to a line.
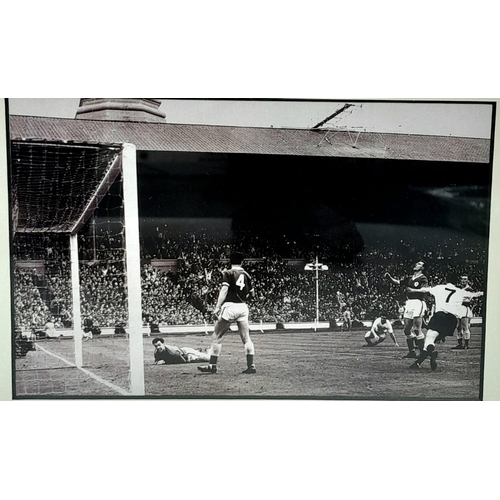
x=284, y=291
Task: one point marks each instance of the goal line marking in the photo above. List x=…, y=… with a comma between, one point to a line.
x=121, y=391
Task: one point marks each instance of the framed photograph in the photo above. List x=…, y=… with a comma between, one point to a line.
x=249, y=249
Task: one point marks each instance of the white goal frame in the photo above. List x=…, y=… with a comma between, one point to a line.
x=126, y=163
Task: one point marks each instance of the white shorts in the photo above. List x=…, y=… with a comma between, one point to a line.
x=376, y=337
x=465, y=312
x=414, y=308
x=233, y=311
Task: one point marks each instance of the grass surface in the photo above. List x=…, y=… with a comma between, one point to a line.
x=306, y=365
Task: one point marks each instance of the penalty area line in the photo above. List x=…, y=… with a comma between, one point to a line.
x=121, y=391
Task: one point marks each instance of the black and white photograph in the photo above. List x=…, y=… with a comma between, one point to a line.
x=249, y=248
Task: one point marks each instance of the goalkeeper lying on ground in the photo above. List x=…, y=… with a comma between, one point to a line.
x=170, y=354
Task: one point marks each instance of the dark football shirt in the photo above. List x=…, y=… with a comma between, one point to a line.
x=419, y=282
x=171, y=355
x=239, y=283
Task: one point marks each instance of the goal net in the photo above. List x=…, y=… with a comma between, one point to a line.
x=75, y=247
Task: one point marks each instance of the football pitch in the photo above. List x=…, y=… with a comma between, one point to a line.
x=290, y=365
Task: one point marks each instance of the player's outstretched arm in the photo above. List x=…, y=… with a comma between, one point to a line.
x=393, y=337
x=394, y=280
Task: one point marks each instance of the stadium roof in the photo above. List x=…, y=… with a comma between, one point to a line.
x=248, y=140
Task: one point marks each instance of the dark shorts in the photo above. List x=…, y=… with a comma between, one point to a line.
x=443, y=323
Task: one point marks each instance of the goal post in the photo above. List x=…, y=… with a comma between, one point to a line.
x=133, y=263
x=61, y=190
x=75, y=295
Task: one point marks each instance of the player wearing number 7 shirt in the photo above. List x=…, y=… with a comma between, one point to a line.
x=448, y=306
x=236, y=289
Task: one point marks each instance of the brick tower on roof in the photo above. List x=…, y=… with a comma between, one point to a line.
x=128, y=110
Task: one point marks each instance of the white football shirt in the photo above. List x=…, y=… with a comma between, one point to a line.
x=449, y=298
x=380, y=328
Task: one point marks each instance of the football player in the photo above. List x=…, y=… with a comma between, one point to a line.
x=236, y=289
x=415, y=307
x=379, y=330
x=463, y=329
x=172, y=355
x=448, y=304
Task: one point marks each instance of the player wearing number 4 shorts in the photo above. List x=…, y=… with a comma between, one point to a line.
x=236, y=289
x=448, y=299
